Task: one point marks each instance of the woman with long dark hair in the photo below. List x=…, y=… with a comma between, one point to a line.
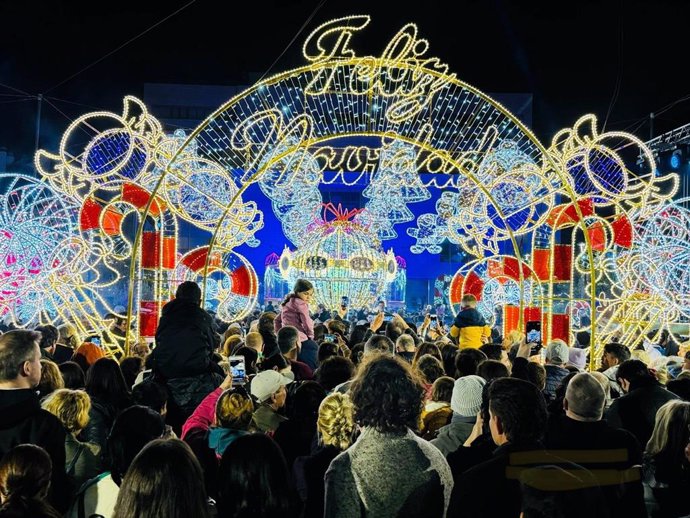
x=296, y=435
x=25, y=473
x=106, y=386
x=295, y=312
x=163, y=481
x=253, y=480
x=266, y=328
x=133, y=429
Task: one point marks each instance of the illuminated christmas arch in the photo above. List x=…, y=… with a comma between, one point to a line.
x=568, y=213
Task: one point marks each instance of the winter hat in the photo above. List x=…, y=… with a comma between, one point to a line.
x=91, y=353
x=577, y=358
x=557, y=352
x=467, y=396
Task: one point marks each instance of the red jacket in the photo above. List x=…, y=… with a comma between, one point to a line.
x=204, y=414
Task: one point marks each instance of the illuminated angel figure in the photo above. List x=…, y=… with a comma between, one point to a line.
x=35, y=224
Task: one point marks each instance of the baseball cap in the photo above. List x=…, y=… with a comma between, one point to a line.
x=557, y=352
x=267, y=383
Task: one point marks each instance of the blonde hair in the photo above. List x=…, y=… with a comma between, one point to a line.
x=231, y=344
x=253, y=340
x=232, y=331
x=71, y=407
x=670, y=427
x=469, y=300
x=234, y=410
x=68, y=336
x=515, y=336
x=336, y=420
x=51, y=378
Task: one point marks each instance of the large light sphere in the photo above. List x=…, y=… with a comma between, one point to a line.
x=341, y=259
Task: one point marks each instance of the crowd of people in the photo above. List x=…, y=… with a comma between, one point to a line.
x=339, y=419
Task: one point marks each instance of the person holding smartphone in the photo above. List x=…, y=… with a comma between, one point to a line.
x=469, y=326
x=223, y=416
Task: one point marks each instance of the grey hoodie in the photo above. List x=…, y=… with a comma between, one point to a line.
x=454, y=435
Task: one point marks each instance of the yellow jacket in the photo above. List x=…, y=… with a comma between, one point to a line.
x=470, y=326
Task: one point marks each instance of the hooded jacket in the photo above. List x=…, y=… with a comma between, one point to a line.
x=206, y=441
x=184, y=341
x=471, y=327
x=295, y=313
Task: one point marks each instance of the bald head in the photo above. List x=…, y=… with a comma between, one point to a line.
x=584, y=398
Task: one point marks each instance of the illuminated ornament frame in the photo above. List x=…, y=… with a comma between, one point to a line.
x=110, y=180
x=341, y=258
x=504, y=194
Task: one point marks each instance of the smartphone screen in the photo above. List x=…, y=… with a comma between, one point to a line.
x=533, y=332
x=330, y=338
x=237, y=368
x=96, y=340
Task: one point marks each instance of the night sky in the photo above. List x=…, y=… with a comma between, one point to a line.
x=574, y=57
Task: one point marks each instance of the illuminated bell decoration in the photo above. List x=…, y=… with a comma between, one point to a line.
x=341, y=258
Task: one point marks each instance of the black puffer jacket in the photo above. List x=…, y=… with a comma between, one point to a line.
x=636, y=410
x=184, y=341
x=554, y=377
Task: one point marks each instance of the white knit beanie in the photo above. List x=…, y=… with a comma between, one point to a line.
x=466, y=400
